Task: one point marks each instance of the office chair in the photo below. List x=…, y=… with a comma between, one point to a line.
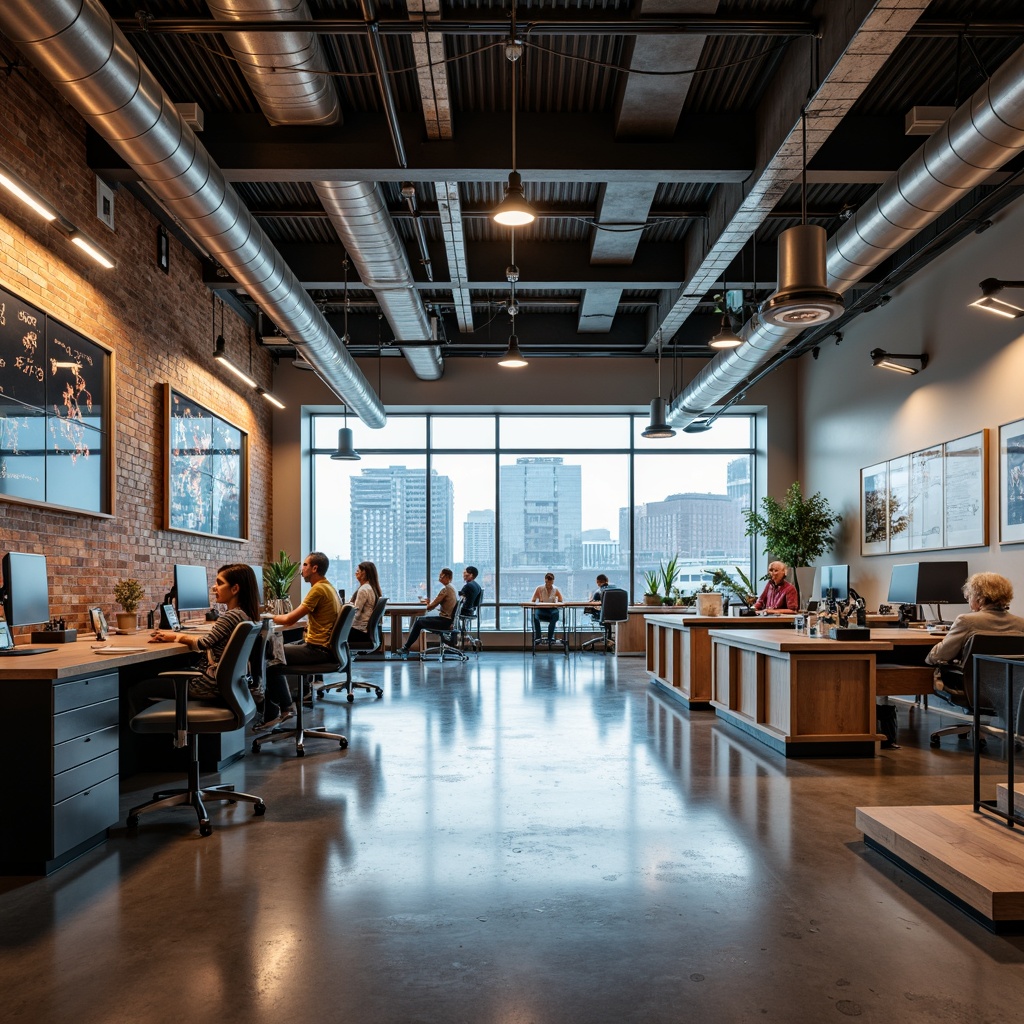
x=614, y=608
x=958, y=683
x=376, y=635
x=187, y=719
x=449, y=638
x=469, y=621
x=338, y=663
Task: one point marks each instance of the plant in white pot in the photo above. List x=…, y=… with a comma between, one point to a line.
x=277, y=580
x=128, y=593
x=796, y=530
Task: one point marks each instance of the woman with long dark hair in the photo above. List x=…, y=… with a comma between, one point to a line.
x=364, y=600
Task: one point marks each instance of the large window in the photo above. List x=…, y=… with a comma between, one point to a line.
x=518, y=496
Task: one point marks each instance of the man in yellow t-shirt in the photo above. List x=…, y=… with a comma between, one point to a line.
x=321, y=607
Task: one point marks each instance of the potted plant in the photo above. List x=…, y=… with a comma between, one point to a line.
x=796, y=530
x=669, y=572
x=277, y=580
x=128, y=593
x=652, y=579
x=740, y=588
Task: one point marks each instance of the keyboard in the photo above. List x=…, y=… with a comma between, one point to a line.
x=21, y=652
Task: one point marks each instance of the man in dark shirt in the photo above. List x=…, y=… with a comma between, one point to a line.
x=471, y=591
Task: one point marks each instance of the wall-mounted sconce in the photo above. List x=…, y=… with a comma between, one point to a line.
x=896, y=361
x=220, y=355
x=989, y=302
x=90, y=248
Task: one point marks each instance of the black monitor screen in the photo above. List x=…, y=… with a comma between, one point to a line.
x=26, y=591
x=835, y=578
x=928, y=583
x=258, y=572
x=192, y=591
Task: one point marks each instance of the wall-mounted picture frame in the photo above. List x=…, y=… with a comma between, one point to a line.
x=874, y=509
x=965, y=482
x=206, y=479
x=1011, y=483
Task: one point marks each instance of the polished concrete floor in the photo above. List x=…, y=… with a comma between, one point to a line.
x=515, y=841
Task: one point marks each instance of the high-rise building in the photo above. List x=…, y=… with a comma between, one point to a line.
x=478, y=538
x=692, y=526
x=541, y=513
x=738, y=484
x=599, y=551
x=389, y=527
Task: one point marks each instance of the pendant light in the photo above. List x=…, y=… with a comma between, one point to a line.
x=514, y=211
x=658, y=427
x=346, y=450
x=513, y=357
x=726, y=336
x=803, y=297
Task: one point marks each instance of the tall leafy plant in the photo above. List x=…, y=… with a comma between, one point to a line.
x=796, y=530
x=278, y=577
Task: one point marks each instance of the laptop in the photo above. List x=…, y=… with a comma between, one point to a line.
x=7, y=648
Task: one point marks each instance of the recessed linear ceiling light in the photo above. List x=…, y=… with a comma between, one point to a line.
x=990, y=287
x=891, y=361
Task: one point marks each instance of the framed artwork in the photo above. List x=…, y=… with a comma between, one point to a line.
x=874, y=509
x=965, y=474
x=926, y=499
x=899, y=503
x=1011, y=482
x=207, y=470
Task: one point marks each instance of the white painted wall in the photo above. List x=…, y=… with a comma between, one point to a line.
x=853, y=415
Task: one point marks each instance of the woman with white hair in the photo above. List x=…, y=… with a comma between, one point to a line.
x=989, y=596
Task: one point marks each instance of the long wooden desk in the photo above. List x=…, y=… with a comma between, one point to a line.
x=61, y=761
x=803, y=696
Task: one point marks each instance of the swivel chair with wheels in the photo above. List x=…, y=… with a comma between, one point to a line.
x=448, y=636
x=304, y=673
x=469, y=626
x=355, y=647
x=187, y=719
x=958, y=682
x=614, y=608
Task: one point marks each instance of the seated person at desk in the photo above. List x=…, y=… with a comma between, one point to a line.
x=471, y=591
x=364, y=600
x=989, y=596
x=779, y=596
x=321, y=607
x=446, y=600
x=602, y=585
x=235, y=587
x=547, y=594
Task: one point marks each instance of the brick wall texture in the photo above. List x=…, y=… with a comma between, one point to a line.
x=159, y=327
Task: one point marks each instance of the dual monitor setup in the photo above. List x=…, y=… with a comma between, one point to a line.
x=25, y=593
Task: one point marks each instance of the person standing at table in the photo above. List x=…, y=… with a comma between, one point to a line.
x=779, y=596
x=445, y=601
x=546, y=594
x=321, y=607
x=364, y=600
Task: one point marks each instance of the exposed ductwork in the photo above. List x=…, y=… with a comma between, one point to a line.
x=286, y=72
x=87, y=58
x=981, y=136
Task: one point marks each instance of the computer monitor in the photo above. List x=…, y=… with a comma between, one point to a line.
x=258, y=571
x=191, y=588
x=936, y=583
x=26, y=592
x=835, y=582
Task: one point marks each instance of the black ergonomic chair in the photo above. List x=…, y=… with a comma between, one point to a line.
x=958, y=682
x=469, y=626
x=187, y=720
x=355, y=647
x=337, y=663
x=448, y=637
x=614, y=608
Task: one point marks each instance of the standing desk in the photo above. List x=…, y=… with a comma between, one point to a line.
x=62, y=759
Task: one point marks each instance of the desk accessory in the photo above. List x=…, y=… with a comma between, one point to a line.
x=849, y=633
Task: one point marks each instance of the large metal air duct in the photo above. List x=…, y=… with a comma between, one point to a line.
x=87, y=58
x=286, y=72
x=981, y=136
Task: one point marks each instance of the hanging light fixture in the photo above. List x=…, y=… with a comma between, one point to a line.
x=803, y=297
x=658, y=427
x=726, y=336
x=514, y=211
x=346, y=451
x=897, y=361
x=220, y=355
x=513, y=357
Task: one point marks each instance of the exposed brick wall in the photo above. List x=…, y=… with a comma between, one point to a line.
x=159, y=328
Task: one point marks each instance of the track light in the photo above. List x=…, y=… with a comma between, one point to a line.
x=88, y=246
x=10, y=181
x=889, y=361
x=221, y=357
x=726, y=337
x=513, y=357
x=1000, y=307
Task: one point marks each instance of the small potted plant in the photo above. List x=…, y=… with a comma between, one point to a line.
x=128, y=593
x=277, y=580
x=669, y=573
x=652, y=580
x=740, y=588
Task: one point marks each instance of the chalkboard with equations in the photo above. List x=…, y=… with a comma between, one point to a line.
x=54, y=411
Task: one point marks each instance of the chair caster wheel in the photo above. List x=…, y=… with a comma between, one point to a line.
x=379, y=692
x=259, y=809
x=300, y=752
x=983, y=744
x=351, y=698
x=320, y=694
x=205, y=828
x=133, y=821
x=343, y=743
x=934, y=741
x=255, y=746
